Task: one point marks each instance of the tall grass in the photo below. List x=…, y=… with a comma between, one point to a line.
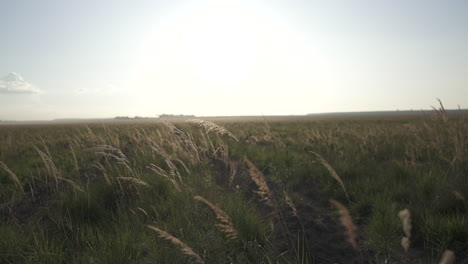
x=89, y=193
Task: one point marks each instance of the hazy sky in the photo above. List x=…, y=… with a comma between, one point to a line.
x=88, y=58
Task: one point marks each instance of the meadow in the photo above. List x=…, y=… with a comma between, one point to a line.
x=253, y=190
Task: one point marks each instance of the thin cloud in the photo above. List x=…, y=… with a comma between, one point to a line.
x=13, y=83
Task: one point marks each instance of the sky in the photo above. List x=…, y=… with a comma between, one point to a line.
x=107, y=58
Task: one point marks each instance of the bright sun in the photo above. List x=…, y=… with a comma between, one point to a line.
x=221, y=47
x=215, y=49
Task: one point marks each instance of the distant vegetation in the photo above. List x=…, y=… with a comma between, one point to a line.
x=289, y=190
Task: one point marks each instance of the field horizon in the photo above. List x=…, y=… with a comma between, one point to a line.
x=338, y=115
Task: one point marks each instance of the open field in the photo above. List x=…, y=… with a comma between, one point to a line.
x=256, y=190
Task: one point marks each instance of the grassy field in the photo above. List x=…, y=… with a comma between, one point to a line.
x=265, y=190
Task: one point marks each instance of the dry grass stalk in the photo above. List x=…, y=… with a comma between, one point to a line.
x=232, y=171
x=183, y=165
x=332, y=173
x=405, y=217
x=290, y=204
x=210, y=126
x=143, y=211
x=347, y=222
x=12, y=175
x=133, y=180
x=74, y=158
x=448, y=257
x=103, y=171
x=226, y=225
x=259, y=179
x=183, y=247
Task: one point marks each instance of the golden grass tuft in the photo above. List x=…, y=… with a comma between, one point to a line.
x=259, y=179
x=347, y=222
x=448, y=257
x=405, y=217
x=332, y=173
x=183, y=247
x=226, y=225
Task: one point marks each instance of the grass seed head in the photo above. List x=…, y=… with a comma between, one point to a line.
x=448, y=257
x=259, y=179
x=332, y=173
x=210, y=126
x=405, y=217
x=226, y=223
x=347, y=222
x=174, y=240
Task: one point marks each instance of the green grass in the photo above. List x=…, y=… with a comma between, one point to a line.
x=77, y=205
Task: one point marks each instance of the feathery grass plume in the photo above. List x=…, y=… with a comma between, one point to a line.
x=332, y=173
x=12, y=175
x=183, y=138
x=72, y=183
x=183, y=247
x=226, y=225
x=222, y=152
x=173, y=171
x=210, y=126
x=259, y=179
x=448, y=257
x=103, y=171
x=90, y=134
x=133, y=180
x=49, y=164
x=347, y=222
x=405, y=217
x=110, y=152
x=441, y=113
x=163, y=173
